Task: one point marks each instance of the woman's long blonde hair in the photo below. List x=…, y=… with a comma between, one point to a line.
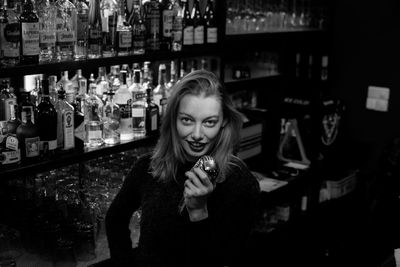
x=169, y=153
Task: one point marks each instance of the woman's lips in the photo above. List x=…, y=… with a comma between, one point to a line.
x=196, y=146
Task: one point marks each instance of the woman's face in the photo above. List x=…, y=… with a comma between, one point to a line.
x=198, y=123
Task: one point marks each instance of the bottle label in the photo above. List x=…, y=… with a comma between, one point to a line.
x=12, y=143
x=199, y=35
x=65, y=37
x=82, y=25
x=10, y=157
x=68, y=130
x=30, y=38
x=138, y=112
x=125, y=118
x=212, y=35
x=32, y=147
x=11, y=43
x=47, y=38
x=46, y=146
x=6, y=107
x=139, y=39
x=125, y=39
x=167, y=22
x=94, y=34
x=188, y=35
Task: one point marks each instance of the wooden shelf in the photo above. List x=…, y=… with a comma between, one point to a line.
x=75, y=156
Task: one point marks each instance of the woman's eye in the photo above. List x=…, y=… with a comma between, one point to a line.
x=186, y=120
x=210, y=123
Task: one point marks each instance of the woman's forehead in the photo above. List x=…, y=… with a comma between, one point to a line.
x=200, y=104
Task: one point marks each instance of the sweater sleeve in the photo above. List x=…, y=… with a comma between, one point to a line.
x=221, y=239
x=119, y=214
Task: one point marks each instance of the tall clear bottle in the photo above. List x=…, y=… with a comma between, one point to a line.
x=109, y=18
x=10, y=34
x=93, y=122
x=82, y=29
x=211, y=31
x=159, y=93
x=66, y=23
x=152, y=114
x=111, y=117
x=172, y=79
x=29, y=27
x=187, y=26
x=47, y=26
x=123, y=98
x=47, y=123
x=102, y=83
x=176, y=34
x=124, y=32
x=80, y=84
x=138, y=29
x=138, y=106
x=95, y=38
x=152, y=15
x=65, y=123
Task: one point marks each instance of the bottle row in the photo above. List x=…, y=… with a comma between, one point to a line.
x=61, y=30
x=60, y=115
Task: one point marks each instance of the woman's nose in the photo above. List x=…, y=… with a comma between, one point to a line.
x=197, y=133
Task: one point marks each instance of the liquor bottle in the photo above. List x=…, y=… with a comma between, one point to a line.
x=95, y=30
x=152, y=21
x=187, y=26
x=29, y=27
x=7, y=98
x=10, y=153
x=28, y=137
x=65, y=122
x=138, y=106
x=47, y=30
x=324, y=68
x=182, y=69
x=66, y=21
x=113, y=78
x=10, y=34
x=47, y=122
x=152, y=114
x=13, y=122
x=125, y=69
x=37, y=91
x=176, y=34
x=109, y=17
x=211, y=31
x=166, y=27
x=198, y=24
x=123, y=98
x=80, y=84
x=124, y=32
x=82, y=22
x=102, y=83
x=111, y=117
x=53, y=89
x=136, y=84
x=3, y=23
x=67, y=85
x=159, y=93
x=138, y=29
x=93, y=123
x=172, y=80
x=24, y=104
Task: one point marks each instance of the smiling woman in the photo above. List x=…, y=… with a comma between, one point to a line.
x=199, y=120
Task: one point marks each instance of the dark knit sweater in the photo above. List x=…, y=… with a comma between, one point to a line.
x=168, y=238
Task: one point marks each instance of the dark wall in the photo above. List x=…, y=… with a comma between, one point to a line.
x=365, y=52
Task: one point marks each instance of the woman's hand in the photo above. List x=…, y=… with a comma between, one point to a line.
x=197, y=189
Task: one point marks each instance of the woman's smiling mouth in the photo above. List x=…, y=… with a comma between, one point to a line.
x=196, y=146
